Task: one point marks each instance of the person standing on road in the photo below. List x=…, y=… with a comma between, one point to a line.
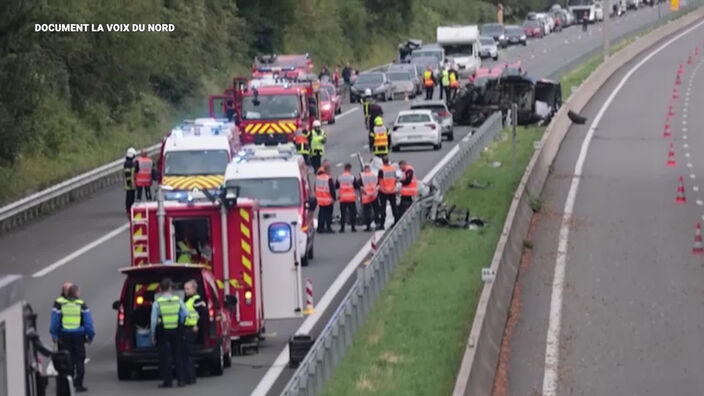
x=193, y=325
x=409, y=187
x=454, y=83
x=129, y=172
x=302, y=140
x=585, y=23
x=445, y=84
x=64, y=293
x=143, y=180
x=379, y=138
x=71, y=327
x=347, y=185
x=387, y=192
x=428, y=83
x=325, y=194
x=168, y=314
x=369, y=183
x=347, y=76
x=317, y=144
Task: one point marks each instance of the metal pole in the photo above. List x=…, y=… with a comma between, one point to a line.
x=606, y=10
x=297, y=264
x=160, y=221
x=514, y=121
x=225, y=250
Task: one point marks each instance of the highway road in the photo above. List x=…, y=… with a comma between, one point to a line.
x=612, y=294
x=88, y=242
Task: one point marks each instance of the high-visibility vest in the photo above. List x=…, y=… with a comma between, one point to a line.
x=302, y=143
x=370, y=187
x=185, y=256
x=381, y=141
x=317, y=144
x=445, y=78
x=387, y=184
x=193, y=316
x=453, y=81
x=322, y=190
x=144, y=174
x=410, y=189
x=365, y=107
x=347, y=193
x=428, y=78
x=71, y=314
x=128, y=178
x=169, y=308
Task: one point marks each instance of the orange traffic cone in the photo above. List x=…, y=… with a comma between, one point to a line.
x=666, y=133
x=689, y=59
x=698, y=248
x=680, y=69
x=671, y=156
x=671, y=112
x=675, y=93
x=677, y=80
x=680, y=199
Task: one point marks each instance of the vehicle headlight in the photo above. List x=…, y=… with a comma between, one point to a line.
x=502, y=37
x=523, y=37
x=326, y=106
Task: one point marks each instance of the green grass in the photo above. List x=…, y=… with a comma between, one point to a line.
x=413, y=339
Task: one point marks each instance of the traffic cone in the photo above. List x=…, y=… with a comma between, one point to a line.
x=696, y=51
x=671, y=112
x=689, y=59
x=666, y=133
x=680, y=199
x=373, y=243
x=671, y=156
x=675, y=93
x=309, y=298
x=677, y=80
x=680, y=69
x=698, y=248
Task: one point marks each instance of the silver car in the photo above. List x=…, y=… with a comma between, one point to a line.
x=413, y=70
x=416, y=128
x=440, y=112
x=373, y=81
x=488, y=48
x=401, y=84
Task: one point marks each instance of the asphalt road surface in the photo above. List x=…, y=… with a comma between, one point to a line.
x=66, y=240
x=631, y=300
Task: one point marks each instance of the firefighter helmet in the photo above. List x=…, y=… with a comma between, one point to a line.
x=316, y=124
x=131, y=152
x=378, y=121
x=367, y=92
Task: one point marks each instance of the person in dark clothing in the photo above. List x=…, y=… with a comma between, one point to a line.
x=348, y=187
x=324, y=72
x=194, y=327
x=585, y=23
x=129, y=174
x=230, y=111
x=347, y=74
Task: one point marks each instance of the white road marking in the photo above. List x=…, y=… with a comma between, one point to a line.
x=686, y=155
x=684, y=137
x=684, y=129
x=695, y=188
x=353, y=155
x=700, y=202
x=339, y=164
x=81, y=251
x=685, y=145
x=692, y=176
x=344, y=113
x=552, y=347
x=689, y=164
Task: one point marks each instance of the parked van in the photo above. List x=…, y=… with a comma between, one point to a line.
x=461, y=43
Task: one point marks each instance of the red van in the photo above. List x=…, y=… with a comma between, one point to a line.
x=135, y=350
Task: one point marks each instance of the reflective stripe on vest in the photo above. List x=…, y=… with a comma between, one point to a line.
x=381, y=141
x=387, y=185
x=193, y=316
x=322, y=190
x=370, y=187
x=428, y=78
x=71, y=314
x=316, y=144
x=347, y=193
x=144, y=174
x=185, y=256
x=128, y=178
x=169, y=308
x=410, y=189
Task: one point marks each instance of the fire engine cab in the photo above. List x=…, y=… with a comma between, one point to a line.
x=287, y=66
x=195, y=154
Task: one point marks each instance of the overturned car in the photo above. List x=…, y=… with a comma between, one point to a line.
x=496, y=88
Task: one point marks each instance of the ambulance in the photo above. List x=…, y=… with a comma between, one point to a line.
x=195, y=155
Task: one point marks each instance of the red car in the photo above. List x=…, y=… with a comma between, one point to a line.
x=335, y=95
x=327, y=107
x=533, y=28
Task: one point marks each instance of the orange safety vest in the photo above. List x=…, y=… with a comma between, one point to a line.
x=428, y=78
x=410, y=189
x=347, y=193
x=370, y=187
x=387, y=184
x=144, y=174
x=453, y=81
x=322, y=190
x=381, y=140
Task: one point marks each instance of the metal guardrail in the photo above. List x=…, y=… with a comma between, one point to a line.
x=333, y=341
x=56, y=196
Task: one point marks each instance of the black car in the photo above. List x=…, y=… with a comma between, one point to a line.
x=495, y=30
x=516, y=35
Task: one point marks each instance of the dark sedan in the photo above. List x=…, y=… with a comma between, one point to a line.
x=516, y=35
x=495, y=30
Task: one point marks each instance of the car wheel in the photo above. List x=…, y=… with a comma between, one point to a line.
x=304, y=261
x=124, y=371
x=395, y=148
x=437, y=147
x=311, y=253
x=496, y=57
x=451, y=135
x=217, y=366
x=353, y=99
x=525, y=43
x=332, y=120
x=227, y=359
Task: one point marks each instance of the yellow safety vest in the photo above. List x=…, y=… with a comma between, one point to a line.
x=169, y=308
x=185, y=256
x=193, y=316
x=317, y=144
x=71, y=314
x=128, y=178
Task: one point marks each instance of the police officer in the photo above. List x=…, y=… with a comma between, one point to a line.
x=409, y=187
x=129, y=171
x=369, y=184
x=387, y=191
x=428, y=83
x=71, y=327
x=303, y=145
x=317, y=144
x=193, y=327
x=143, y=179
x=325, y=194
x=348, y=187
x=380, y=138
x=168, y=314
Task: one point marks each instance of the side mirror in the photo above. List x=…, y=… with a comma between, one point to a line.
x=230, y=301
x=311, y=203
x=115, y=305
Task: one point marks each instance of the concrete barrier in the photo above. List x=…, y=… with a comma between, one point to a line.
x=479, y=363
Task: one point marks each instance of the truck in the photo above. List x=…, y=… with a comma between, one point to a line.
x=461, y=43
x=589, y=9
x=292, y=66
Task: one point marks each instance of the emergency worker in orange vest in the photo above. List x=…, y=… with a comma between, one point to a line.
x=143, y=179
x=302, y=141
x=409, y=187
x=325, y=194
x=454, y=83
x=369, y=185
x=347, y=186
x=387, y=192
x=381, y=139
x=429, y=83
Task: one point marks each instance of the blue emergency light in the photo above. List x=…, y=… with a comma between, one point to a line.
x=280, y=237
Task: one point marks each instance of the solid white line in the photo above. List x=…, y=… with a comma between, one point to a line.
x=552, y=347
x=344, y=113
x=81, y=251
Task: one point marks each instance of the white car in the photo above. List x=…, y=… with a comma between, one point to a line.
x=416, y=128
x=488, y=48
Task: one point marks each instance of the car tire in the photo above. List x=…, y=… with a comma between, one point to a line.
x=353, y=99
x=437, y=147
x=304, y=261
x=395, y=149
x=525, y=43
x=311, y=253
x=332, y=121
x=124, y=371
x=451, y=136
x=496, y=58
x=217, y=365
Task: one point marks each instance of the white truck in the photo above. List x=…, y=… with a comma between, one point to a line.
x=461, y=44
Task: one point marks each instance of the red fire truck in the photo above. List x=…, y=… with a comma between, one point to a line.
x=291, y=67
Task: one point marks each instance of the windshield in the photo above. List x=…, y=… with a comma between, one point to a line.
x=580, y=2
x=324, y=97
x=514, y=31
x=375, y=78
x=269, y=107
x=279, y=191
x=423, y=54
x=436, y=109
x=412, y=118
x=195, y=162
x=399, y=76
x=492, y=29
x=486, y=41
x=329, y=89
x=531, y=24
x=458, y=49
